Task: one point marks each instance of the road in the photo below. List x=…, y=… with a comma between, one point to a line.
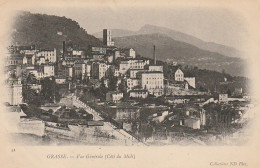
x=120, y=134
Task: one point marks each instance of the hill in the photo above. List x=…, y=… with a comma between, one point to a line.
x=46, y=31
x=184, y=53
x=150, y=29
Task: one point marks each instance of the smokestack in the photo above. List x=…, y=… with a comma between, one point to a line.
x=63, y=49
x=154, y=55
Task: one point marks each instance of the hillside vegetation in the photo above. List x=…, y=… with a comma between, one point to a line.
x=46, y=31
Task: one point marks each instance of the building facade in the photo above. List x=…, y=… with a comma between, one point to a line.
x=179, y=75
x=153, y=82
x=14, y=91
x=107, y=38
x=113, y=96
x=191, y=81
x=50, y=55
x=99, y=70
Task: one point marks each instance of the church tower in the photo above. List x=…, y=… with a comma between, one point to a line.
x=107, y=38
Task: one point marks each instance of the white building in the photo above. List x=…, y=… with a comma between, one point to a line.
x=203, y=117
x=179, y=75
x=28, y=51
x=193, y=123
x=132, y=83
x=41, y=60
x=77, y=53
x=223, y=98
x=133, y=72
x=153, y=82
x=60, y=80
x=15, y=60
x=127, y=113
x=48, y=70
x=14, y=91
x=113, y=96
x=50, y=55
x=88, y=70
x=156, y=68
x=99, y=50
x=130, y=52
x=38, y=73
x=80, y=70
x=138, y=93
x=125, y=65
x=191, y=81
x=24, y=60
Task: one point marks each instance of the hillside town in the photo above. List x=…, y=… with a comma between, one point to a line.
x=106, y=95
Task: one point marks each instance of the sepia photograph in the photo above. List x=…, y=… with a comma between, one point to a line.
x=139, y=78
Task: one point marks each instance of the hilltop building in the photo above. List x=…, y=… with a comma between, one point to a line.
x=179, y=75
x=107, y=38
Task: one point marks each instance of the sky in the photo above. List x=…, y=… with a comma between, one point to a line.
x=217, y=25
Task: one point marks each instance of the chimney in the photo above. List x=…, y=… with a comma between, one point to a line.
x=63, y=49
x=154, y=55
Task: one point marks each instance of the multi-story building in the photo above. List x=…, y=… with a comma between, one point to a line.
x=156, y=68
x=50, y=55
x=41, y=60
x=192, y=122
x=99, y=70
x=80, y=70
x=129, y=52
x=27, y=50
x=132, y=83
x=14, y=91
x=179, y=75
x=133, y=72
x=127, y=113
x=38, y=73
x=15, y=59
x=113, y=71
x=98, y=57
x=138, y=93
x=88, y=70
x=107, y=38
x=223, y=98
x=98, y=50
x=125, y=65
x=67, y=71
x=114, y=96
x=77, y=53
x=48, y=70
x=152, y=81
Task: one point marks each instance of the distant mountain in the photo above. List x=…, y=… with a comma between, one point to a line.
x=46, y=31
x=150, y=29
x=184, y=53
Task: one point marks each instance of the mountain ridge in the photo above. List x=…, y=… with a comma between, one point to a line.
x=181, y=52
x=179, y=36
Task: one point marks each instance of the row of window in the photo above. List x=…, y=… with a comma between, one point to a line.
x=12, y=62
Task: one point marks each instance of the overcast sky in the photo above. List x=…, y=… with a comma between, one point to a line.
x=214, y=25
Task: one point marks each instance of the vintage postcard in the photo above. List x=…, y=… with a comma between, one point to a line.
x=129, y=84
